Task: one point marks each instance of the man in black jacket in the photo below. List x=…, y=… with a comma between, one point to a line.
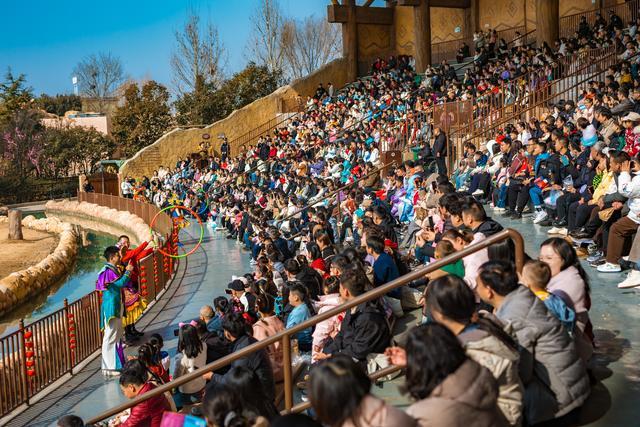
x=224, y=150
x=364, y=329
x=439, y=150
x=236, y=331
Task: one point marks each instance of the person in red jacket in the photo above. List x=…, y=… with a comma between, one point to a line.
x=148, y=413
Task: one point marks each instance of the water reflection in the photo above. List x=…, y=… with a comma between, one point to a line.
x=78, y=283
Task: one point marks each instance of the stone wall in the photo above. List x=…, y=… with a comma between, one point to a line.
x=20, y=285
x=181, y=142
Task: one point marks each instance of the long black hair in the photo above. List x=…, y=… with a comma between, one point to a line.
x=225, y=408
x=569, y=257
x=189, y=342
x=336, y=389
x=433, y=353
x=247, y=384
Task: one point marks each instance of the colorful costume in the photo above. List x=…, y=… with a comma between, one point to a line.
x=110, y=283
x=134, y=304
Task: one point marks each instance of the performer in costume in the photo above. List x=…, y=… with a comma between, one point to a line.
x=134, y=304
x=110, y=283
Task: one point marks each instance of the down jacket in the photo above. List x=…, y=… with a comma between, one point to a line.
x=502, y=362
x=553, y=374
x=364, y=330
x=466, y=398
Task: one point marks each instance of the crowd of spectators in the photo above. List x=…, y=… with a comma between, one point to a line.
x=493, y=348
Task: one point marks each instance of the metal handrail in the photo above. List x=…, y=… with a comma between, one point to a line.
x=522, y=36
x=284, y=336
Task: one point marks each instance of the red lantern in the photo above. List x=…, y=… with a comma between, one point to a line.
x=72, y=341
x=72, y=328
x=29, y=354
x=31, y=372
x=28, y=345
x=30, y=363
x=72, y=346
x=70, y=315
x=28, y=335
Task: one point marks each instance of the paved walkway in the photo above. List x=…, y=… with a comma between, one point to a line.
x=615, y=315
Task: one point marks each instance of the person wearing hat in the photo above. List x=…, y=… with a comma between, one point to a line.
x=631, y=133
x=237, y=290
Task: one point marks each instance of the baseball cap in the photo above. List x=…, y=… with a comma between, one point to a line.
x=236, y=285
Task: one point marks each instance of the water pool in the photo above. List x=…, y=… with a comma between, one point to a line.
x=78, y=283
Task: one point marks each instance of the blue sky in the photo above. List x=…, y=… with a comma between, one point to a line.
x=45, y=39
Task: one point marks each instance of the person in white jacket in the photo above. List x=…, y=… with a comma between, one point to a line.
x=626, y=226
x=191, y=355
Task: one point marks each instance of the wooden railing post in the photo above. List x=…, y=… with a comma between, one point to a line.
x=70, y=329
x=288, y=376
x=22, y=351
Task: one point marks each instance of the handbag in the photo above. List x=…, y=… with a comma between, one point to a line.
x=606, y=214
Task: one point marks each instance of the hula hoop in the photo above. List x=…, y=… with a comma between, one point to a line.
x=153, y=221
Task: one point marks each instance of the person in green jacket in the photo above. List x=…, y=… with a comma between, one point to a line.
x=110, y=283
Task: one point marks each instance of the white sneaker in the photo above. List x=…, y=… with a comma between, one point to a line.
x=563, y=232
x=632, y=280
x=607, y=267
x=539, y=216
x=478, y=192
x=553, y=230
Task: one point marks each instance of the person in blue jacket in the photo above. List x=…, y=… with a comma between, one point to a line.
x=110, y=283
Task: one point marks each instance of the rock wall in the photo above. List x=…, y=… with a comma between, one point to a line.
x=137, y=230
x=20, y=285
x=179, y=143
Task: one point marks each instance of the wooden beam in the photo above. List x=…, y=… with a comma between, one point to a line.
x=363, y=15
x=453, y=4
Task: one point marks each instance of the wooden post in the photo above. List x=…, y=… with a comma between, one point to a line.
x=422, y=31
x=472, y=19
x=15, y=224
x=350, y=41
x=547, y=21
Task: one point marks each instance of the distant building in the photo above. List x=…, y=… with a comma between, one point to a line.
x=99, y=121
x=107, y=106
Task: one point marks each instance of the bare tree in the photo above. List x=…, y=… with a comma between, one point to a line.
x=199, y=56
x=265, y=41
x=308, y=45
x=99, y=76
